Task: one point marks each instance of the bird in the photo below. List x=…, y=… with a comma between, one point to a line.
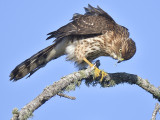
x=86, y=37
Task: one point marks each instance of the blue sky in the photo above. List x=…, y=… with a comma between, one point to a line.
x=23, y=29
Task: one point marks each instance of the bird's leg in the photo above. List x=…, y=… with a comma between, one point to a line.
x=97, y=72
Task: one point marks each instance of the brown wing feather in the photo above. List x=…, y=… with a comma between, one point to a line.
x=94, y=22
x=97, y=12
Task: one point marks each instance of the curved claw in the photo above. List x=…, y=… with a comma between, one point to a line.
x=99, y=73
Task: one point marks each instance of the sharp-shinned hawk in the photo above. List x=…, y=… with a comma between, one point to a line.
x=87, y=37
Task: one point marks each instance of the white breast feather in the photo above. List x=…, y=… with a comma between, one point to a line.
x=70, y=51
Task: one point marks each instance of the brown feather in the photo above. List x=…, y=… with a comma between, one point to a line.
x=31, y=64
x=90, y=36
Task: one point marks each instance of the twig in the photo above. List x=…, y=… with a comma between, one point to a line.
x=66, y=96
x=157, y=108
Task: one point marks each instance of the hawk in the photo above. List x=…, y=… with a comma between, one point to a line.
x=87, y=37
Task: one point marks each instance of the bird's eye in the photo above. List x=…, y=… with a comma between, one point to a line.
x=120, y=50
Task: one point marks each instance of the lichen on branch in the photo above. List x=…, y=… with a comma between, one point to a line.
x=70, y=82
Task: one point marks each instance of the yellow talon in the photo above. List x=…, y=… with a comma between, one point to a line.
x=97, y=72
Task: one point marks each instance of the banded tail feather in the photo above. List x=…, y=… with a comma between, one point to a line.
x=32, y=64
x=89, y=36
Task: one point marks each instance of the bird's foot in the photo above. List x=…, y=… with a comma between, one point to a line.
x=99, y=74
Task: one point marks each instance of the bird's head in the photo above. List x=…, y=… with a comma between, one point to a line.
x=124, y=50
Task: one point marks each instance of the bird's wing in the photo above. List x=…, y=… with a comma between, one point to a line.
x=97, y=12
x=94, y=22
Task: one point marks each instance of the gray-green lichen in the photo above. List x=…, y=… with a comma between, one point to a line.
x=73, y=85
x=83, y=75
x=29, y=114
x=15, y=111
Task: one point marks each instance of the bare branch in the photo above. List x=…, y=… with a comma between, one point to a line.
x=48, y=93
x=66, y=96
x=117, y=78
x=157, y=108
x=69, y=82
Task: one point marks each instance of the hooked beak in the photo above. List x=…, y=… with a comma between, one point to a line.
x=120, y=60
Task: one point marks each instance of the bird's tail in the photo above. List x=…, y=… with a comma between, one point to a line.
x=34, y=63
